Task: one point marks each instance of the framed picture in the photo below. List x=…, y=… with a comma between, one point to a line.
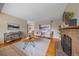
x=13, y=27
x=45, y=30
x=30, y=28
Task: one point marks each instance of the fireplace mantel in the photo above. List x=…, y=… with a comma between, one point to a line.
x=71, y=27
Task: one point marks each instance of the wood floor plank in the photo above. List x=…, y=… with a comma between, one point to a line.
x=11, y=51
x=52, y=48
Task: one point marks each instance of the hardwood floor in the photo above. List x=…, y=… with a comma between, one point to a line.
x=11, y=51
x=52, y=48
x=51, y=51
x=2, y=45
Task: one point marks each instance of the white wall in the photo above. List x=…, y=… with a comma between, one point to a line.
x=7, y=19
x=1, y=6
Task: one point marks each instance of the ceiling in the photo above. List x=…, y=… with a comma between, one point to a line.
x=35, y=11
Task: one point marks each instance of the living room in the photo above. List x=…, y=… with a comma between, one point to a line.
x=38, y=29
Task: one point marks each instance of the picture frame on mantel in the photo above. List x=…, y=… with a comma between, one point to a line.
x=73, y=22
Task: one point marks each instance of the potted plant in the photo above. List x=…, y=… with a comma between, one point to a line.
x=67, y=16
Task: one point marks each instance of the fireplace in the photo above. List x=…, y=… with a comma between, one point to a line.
x=70, y=36
x=66, y=43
